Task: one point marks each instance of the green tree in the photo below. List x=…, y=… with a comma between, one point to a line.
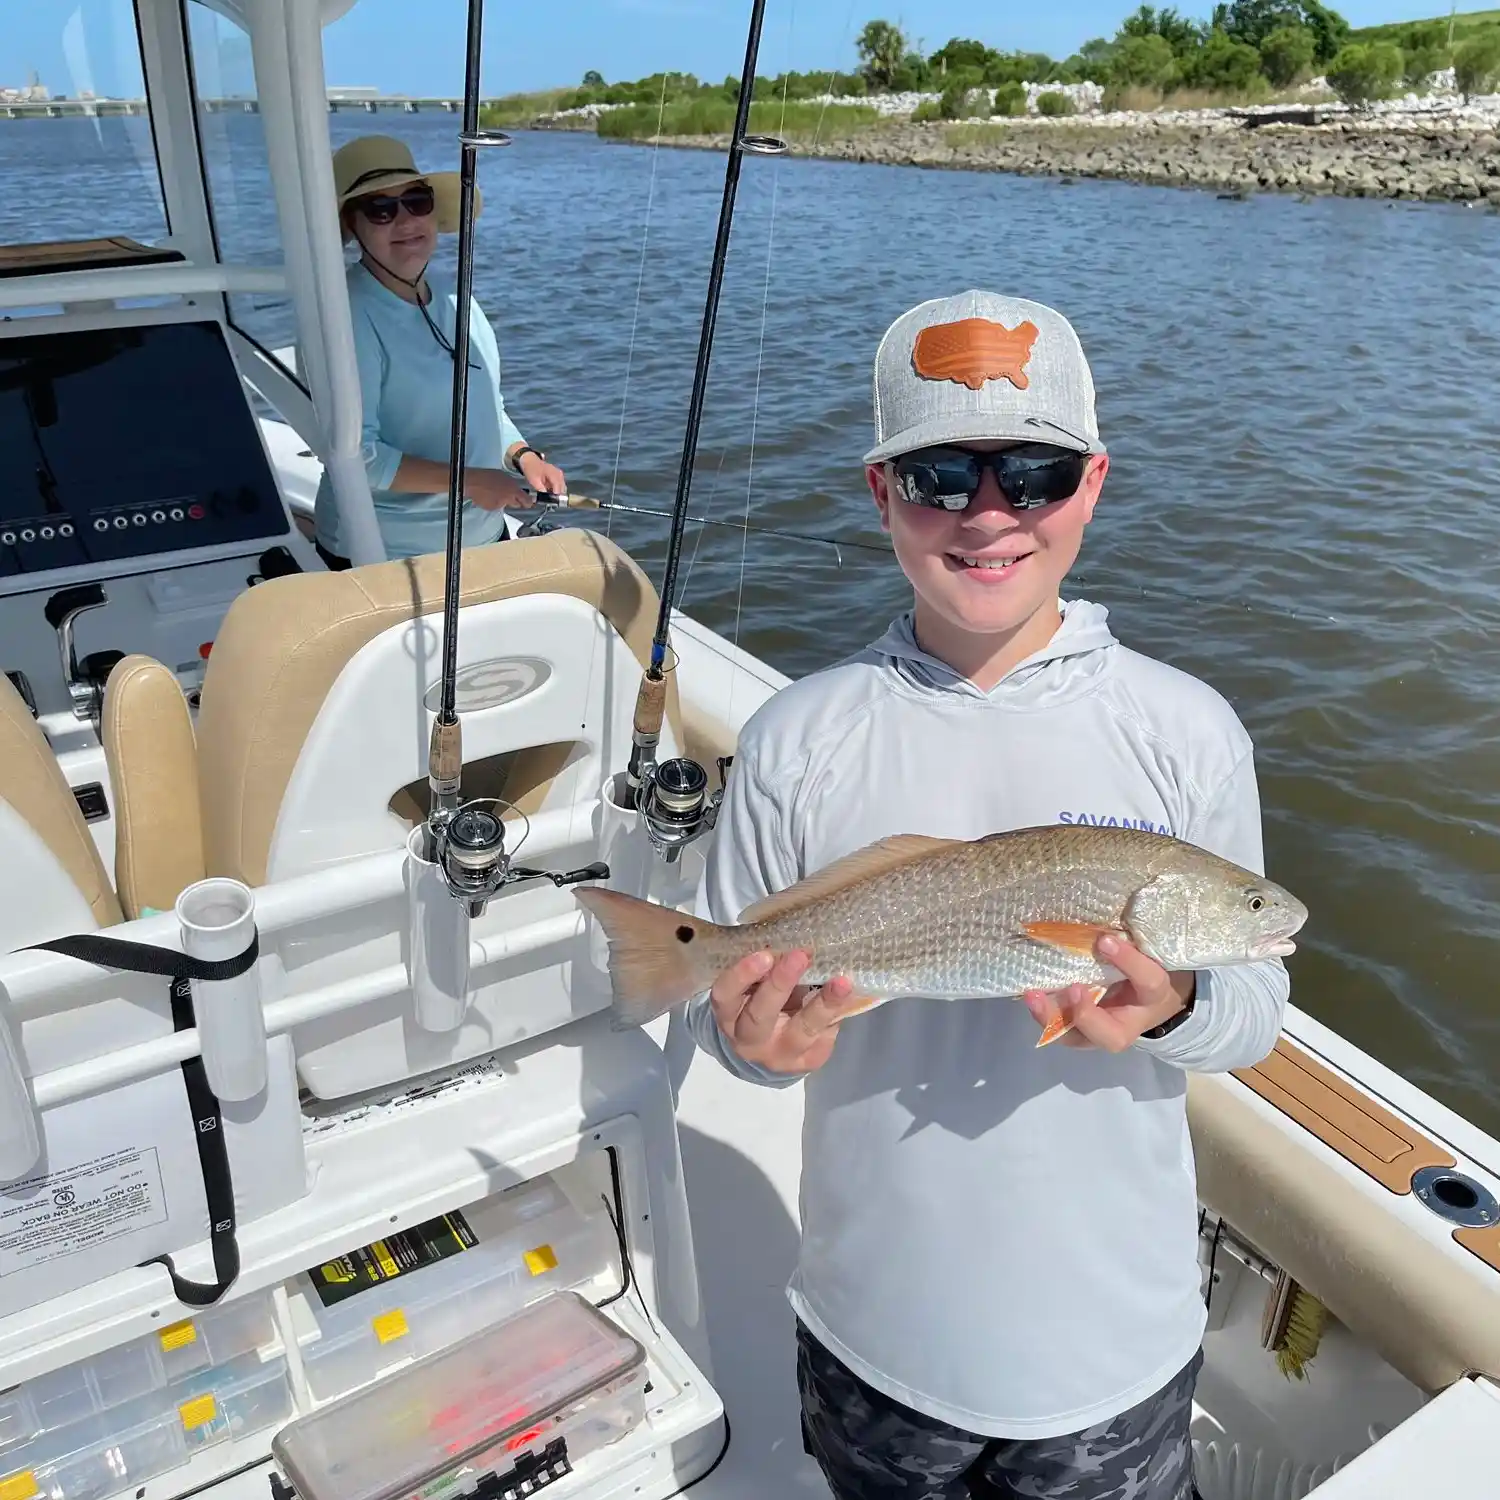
x=1287, y=54
x=1143, y=60
x=1176, y=30
x=1054, y=103
x=1365, y=71
x=882, y=49
x=1476, y=64
x=911, y=74
x=961, y=52
x=1223, y=65
x=1252, y=21
x=593, y=80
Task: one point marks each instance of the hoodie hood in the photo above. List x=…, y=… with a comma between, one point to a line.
x=1072, y=661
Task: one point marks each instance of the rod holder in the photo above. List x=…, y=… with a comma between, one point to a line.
x=438, y=963
x=217, y=919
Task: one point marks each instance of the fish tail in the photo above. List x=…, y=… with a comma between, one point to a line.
x=658, y=957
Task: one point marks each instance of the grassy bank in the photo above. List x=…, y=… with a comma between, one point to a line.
x=709, y=116
x=521, y=109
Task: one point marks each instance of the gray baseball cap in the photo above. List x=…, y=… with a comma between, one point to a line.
x=981, y=366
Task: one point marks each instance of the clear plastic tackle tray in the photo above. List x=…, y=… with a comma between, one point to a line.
x=530, y=1395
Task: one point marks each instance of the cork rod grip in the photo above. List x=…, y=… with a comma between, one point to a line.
x=650, y=705
x=445, y=754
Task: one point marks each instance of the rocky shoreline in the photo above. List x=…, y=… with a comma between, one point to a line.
x=1417, y=159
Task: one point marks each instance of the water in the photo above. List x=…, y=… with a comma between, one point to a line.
x=1301, y=403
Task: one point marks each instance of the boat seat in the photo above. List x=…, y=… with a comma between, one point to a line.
x=1429, y=1310
x=296, y=721
x=153, y=768
x=52, y=880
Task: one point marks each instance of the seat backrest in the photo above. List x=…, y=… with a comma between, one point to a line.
x=52, y=880
x=320, y=692
x=153, y=770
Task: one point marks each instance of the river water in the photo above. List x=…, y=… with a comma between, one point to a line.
x=1301, y=402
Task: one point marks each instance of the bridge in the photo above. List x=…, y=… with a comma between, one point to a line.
x=52, y=109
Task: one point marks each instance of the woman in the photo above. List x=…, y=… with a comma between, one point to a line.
x=404, y=318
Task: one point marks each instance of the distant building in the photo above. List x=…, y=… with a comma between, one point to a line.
x=340, y=95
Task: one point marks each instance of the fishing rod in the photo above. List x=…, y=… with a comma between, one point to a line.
x=671, y=797
x=584, y=502
x=466, y=841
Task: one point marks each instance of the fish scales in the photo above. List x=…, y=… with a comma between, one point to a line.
x=948, y=928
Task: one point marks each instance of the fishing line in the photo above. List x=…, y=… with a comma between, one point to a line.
x=833, y=73
x=640, y=279
x=1155, y=593
x=760, y=356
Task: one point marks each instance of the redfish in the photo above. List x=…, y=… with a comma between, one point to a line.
x=964, y=919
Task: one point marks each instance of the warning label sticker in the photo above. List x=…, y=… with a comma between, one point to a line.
x=46, y=1218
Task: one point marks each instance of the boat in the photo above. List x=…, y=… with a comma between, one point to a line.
x=348, y=1129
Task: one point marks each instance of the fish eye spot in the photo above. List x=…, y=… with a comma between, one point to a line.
x=685, y=934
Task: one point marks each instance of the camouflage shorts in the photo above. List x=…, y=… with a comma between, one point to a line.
x=870, y=1447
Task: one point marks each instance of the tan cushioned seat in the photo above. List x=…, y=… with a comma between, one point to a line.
x=33, y=784
x=153, y=768
x=284, y=643
x=1431, y=1316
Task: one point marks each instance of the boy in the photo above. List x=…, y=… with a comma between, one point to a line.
x=998, y=1282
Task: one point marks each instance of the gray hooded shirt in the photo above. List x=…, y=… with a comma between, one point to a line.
x=1002, y=1237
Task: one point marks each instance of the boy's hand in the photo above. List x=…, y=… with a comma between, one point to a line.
x=1147, y=996
x=771, y=1020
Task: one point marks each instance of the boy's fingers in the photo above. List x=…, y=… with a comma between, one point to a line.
x=763, y=1009
x=733, y=988
x=823, y=1010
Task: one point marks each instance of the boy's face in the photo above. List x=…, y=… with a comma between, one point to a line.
x=961, y=600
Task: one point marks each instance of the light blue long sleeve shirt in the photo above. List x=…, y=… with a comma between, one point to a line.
x=406, y=382
x=1002, y=1237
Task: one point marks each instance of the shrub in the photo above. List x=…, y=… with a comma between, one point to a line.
x=1476, y=65
x=1364, y=72
x=1287, y=55
x=1010, y=99
x=1054, y=103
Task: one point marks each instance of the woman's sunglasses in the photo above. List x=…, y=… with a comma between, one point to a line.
x=1029, y=475
x=381, y=208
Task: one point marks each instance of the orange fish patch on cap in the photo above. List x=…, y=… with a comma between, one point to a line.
x=973, y=351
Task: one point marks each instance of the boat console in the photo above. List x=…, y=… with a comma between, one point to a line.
x=126, y=445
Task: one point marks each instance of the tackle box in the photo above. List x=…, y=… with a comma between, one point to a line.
x=502, y=1413
x=399, y=1299
x=119, y=1449
x=121, y=1375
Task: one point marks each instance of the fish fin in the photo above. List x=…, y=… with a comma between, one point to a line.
x=873, y=859
x=652, y=965
x=1059, y=1026
x=1071, y=937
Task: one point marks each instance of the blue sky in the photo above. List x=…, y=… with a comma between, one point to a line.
x=416, y=46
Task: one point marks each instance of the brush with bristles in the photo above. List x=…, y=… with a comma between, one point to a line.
x=1292, y=1326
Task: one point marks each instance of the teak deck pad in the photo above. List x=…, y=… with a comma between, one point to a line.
x=1364, y=1133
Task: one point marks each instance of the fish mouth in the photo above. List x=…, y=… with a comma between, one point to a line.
x=1276, y=948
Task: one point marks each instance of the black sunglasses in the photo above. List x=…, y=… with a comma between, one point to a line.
x=1029, y=475
x=381, y=208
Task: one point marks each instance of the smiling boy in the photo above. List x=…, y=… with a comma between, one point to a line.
x=998, y=1283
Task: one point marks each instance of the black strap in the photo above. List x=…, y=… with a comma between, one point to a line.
x=208, y=1124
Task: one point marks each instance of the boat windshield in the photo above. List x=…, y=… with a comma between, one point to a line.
x=77, y=153
x=232, y=138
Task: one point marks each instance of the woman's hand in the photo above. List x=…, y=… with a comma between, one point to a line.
x=544, y=478
x=769, y=1019
x=494, y=489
